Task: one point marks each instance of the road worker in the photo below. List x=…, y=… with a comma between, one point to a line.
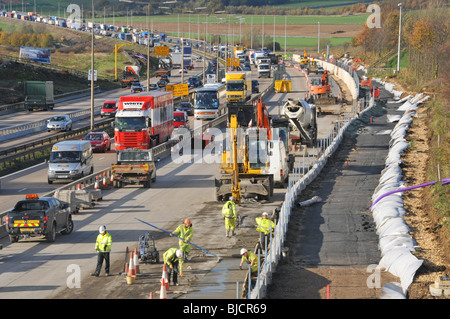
x=184, y=233
x=173, y=258
x=229, y=213
x=265, y=226
x=103, y=248
x=249, y=258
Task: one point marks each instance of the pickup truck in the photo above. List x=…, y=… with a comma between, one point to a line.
x=38, y=216
x=134, y=166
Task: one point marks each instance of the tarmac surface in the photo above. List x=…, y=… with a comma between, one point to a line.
x=333, y=244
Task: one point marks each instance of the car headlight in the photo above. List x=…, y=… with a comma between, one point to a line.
x=74, y=171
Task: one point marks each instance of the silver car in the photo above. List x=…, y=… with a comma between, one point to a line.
x=59, y=123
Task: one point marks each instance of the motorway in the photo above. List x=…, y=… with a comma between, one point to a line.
x=33, y=268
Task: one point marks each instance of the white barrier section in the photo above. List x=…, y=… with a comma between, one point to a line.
x=395, y=243
x=343, y=75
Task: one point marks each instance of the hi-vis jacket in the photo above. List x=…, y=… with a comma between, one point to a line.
x=170, y=258
x=251, y=257
x=103, y=243
x=184, y=233
x=229, y=210
x=264, y=225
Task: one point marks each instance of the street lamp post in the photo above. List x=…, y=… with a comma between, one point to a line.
x=148, y=48
x=318, y=37
x=92, y=70
x=399, y=37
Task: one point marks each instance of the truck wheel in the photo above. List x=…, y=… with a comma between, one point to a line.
x=69, y=228
x=51, y=236
x=13, y=238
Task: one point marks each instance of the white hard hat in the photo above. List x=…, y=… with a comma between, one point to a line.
x=243, y=251
x=102, y=229
x=265, y=214
x=179, y=253
x=232, y=198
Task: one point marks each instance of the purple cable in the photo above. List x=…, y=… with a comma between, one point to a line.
x=444, y=181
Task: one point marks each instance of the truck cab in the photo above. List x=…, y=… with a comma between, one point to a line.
x=134, y=166
x=264, y=70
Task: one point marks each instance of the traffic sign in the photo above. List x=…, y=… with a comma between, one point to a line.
x=178, y=89
x=161, y=50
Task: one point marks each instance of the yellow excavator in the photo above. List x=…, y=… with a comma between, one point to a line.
x=304, y=60
x=245, y=163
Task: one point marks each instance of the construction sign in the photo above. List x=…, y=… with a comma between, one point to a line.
x=178, y=89
x=233, y=62
x=161, y=50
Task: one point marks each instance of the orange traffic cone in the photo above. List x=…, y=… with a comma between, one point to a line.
x=79, y=186
x=96, y=183
x=163, y=294
x=165, y=277
x=105, y=184
x=131, y=268
x=136, y=261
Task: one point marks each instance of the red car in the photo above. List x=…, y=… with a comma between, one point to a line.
x=109, y=108
x=100, y=141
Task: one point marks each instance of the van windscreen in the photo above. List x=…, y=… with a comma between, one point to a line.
x=109, y=106
x=65, y=156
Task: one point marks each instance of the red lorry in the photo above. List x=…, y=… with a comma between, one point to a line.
x=143, y=121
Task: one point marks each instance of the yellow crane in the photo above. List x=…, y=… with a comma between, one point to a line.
x=116, y=49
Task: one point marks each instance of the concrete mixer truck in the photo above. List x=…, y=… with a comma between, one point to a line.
x=302, y=120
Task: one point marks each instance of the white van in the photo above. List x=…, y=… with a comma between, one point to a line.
x=278, y=165
x=70, y=160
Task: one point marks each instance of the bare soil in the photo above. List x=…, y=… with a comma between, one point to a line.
x=425, y=223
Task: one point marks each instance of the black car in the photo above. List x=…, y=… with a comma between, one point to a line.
x=38, y=216
x=255, y=86
x=161, y=83
x=165, y=77
x=186, y=107
x=194, y=81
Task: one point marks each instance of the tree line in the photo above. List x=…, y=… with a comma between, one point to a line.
x=26, y=36
x=424, y=38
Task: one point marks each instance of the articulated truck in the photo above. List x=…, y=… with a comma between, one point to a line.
x=143, y=121
x=39, y=95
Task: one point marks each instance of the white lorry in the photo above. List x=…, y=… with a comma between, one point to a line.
x=264, y=70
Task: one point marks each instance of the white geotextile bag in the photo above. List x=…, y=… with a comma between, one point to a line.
x=392, y=169
x=388, y=243
x=380, y=215
x=392, y=290
x=401, y=263
x=394, y=226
